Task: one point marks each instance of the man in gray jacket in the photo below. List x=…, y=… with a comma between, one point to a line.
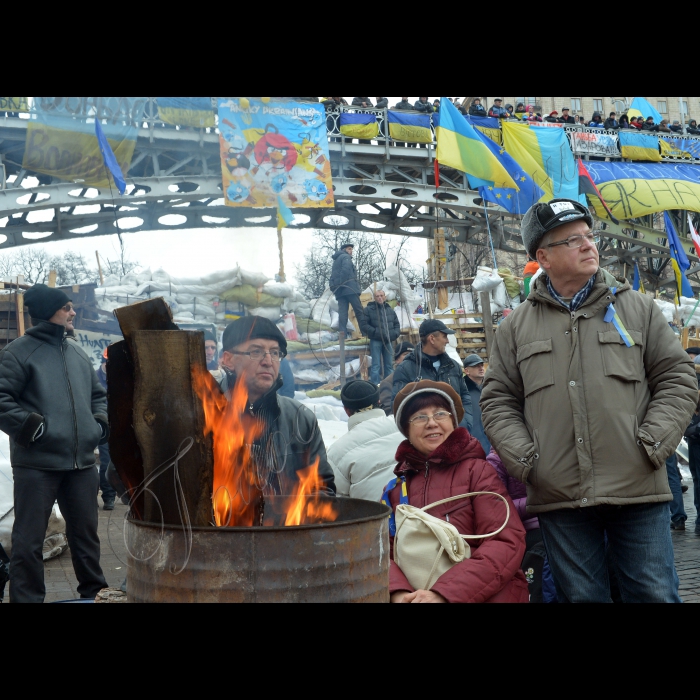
x=55, y=411
x=587, y=394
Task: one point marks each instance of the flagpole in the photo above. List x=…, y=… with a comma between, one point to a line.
x=279, y=246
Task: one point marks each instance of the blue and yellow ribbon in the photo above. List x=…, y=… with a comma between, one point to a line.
x=403, y=500
x=612, y=317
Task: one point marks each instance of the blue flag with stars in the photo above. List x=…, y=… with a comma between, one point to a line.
x=514, y=201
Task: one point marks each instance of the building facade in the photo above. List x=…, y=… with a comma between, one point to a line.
x=668, y=107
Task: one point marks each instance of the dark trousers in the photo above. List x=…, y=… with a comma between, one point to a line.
x=35, y=492
x=678, y=514
x=344, y=305
x=108, y=493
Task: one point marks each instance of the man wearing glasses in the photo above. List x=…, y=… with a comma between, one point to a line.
x=55, y=411
x=253, y=348
x=588, y=392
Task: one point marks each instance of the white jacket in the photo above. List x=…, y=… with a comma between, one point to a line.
x=363, y=459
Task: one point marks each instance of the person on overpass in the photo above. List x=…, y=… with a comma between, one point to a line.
x=343, y=283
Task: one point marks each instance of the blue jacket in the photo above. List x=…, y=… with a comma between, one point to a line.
x=343, y=281
x=287, y=389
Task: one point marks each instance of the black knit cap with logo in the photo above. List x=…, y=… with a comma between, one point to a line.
x=43, y=302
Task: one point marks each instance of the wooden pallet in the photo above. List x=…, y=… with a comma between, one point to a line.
x=14, y=319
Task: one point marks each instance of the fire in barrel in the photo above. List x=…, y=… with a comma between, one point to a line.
x=215, y=514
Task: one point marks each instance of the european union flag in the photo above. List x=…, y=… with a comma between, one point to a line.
x=514, y=201
x=679, y=260
x=109, y=159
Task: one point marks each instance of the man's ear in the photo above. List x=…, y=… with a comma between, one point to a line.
x=543, y=258
x=227, y=359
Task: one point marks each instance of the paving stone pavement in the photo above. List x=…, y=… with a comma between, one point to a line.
x=61, y=583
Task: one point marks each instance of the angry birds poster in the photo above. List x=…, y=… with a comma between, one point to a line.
x=274, y=149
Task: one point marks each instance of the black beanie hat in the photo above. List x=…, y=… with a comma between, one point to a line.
x=250, y=327
x=359, y=394
x=43, y=302
x=208, y=335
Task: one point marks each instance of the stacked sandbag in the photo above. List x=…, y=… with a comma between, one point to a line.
x=404, y=294
x=667, y=309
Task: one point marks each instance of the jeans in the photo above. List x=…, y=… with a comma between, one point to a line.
x=694, y=466
x=35, y=492
x=343, y=305
x=640, y=549
x=379, y=350
x=674, y=481
x=108, y=493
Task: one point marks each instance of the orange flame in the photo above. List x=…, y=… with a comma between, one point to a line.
x=306, y=504
x=237, y=495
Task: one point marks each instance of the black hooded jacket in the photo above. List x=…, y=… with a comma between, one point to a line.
x=343, y=281
x=419, y=366
x=382, y=322
x=48, y=383
x=291, y=439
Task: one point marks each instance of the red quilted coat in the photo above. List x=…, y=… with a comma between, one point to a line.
x=492, y=574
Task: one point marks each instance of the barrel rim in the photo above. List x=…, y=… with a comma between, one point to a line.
x=270, y=528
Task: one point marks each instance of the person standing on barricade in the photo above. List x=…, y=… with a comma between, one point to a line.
x=344, y=285
x=55, y=411
x=587, y=394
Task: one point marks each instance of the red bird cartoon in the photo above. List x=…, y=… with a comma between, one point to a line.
x=276, y=149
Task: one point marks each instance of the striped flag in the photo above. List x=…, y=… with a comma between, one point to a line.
x=694, y=235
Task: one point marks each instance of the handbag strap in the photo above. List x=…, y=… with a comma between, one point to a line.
x=467, y=495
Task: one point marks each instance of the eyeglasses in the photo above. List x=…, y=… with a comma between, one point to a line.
x=67, y=307
x=577, y=241
x=275, y=355
x=423, y=418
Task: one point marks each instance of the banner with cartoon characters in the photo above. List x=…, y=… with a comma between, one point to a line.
x=274, y=149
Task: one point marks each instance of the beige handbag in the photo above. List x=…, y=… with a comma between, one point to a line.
x=426, y=547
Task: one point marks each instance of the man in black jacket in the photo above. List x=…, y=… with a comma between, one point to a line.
x=566, y=118
x=344, y=285
x=476, y=109
x=383, y=328
x=55, y=411
x=611, y=122
x=474, y=379
x=430, y=361
x=253, y=348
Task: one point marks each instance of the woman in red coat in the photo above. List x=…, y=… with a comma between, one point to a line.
x=439, y=460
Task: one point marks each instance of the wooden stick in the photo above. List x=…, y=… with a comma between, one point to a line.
x=52, y=278
x=99, y=269
x=19, y=306
x=488, y=321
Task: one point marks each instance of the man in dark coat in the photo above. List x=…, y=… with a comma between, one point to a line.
x=430, y=361
x=108, y=492
x=253, y=348
x=403, y=105
x=611, y=122
x=423, y=105
x=566, y=118
x=476, y=109
x=383, y=328
x=55, y=411
x=474, y=378
x=344, y=285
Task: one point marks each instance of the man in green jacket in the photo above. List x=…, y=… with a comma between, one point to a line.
x=588, y=392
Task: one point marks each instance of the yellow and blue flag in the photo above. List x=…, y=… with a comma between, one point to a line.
x=284, y=214
x=641, y=108
x=545, y=155
x=460, y=146
x=639, y=146
x=411, y=128
x=109, y=159
x=359, y=126
x=515, y=201
x=637, y=284
x=61, y=142
x=679, y=260
x=488, y=126
x=186, y=111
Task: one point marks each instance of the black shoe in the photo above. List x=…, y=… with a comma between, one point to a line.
x=108, y=504
x=684, y=488
x=678, y=526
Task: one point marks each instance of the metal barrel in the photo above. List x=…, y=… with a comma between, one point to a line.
x=346, y=561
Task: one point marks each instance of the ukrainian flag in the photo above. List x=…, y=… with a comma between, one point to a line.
x=359, y=126
x=411, y=128
x=459, y=146
x=284, y=214
x=641, y=108
x=639, y=146
x=186, y=111
x=679, y=260
x=545, y=155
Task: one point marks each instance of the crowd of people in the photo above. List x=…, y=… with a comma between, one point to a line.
x=520, y=112
x=550, y=477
